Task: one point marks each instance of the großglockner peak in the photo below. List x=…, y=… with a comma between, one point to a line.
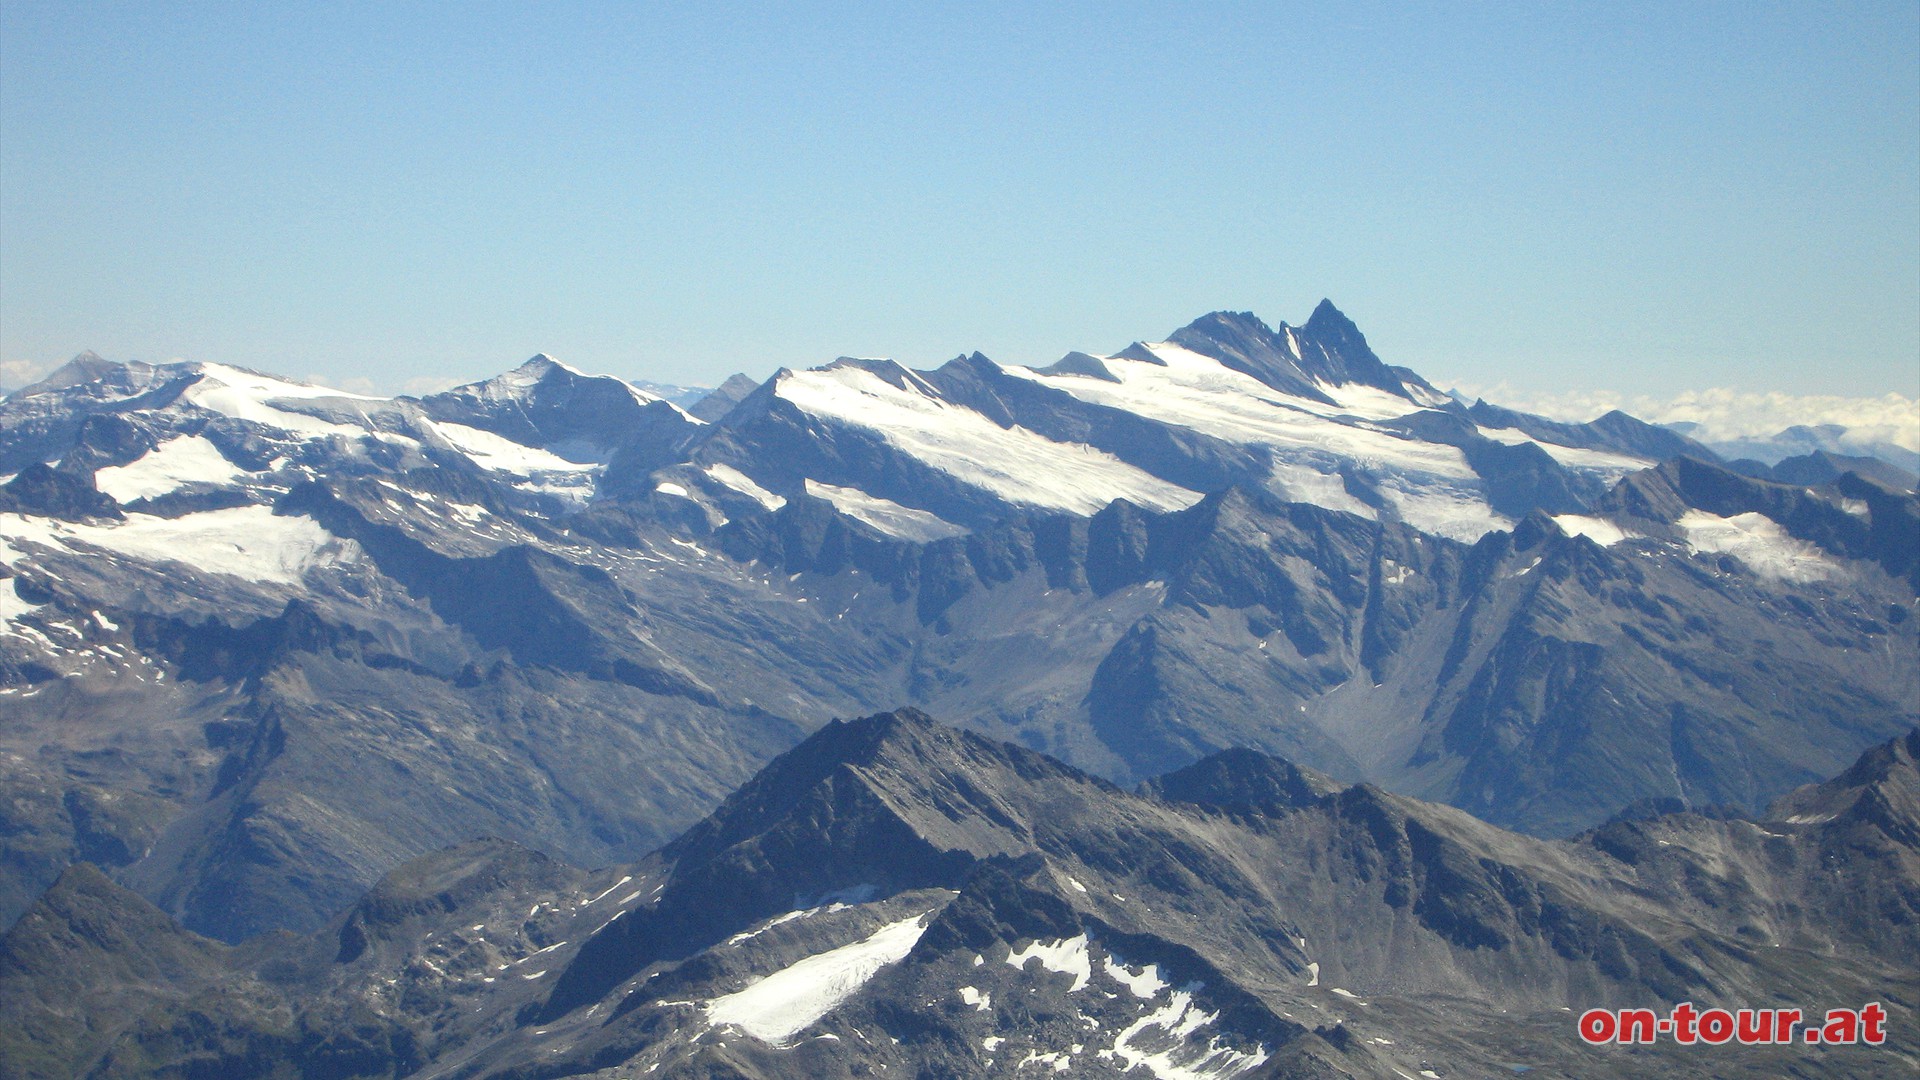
x=261, y=642
x=1328, y=350
x=1309, y=413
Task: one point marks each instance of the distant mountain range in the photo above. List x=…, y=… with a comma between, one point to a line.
x=262, y=643
x=1805, y=441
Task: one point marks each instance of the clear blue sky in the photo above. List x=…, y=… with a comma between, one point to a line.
x=1641, y=197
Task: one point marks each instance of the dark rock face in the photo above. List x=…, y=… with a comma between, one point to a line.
x=724, y=397
x=1244, y=780
x=86, y=958
x=1824, y=467
x=55, y=493
x=982, y=905
x=1337, y=352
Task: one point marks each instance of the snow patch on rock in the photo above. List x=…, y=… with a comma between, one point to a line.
x=1599, y=530
x=742, y=483
x=1068, y=957
x=170, y=466
x=884, y=514
x=1758, y=541
x=1146, y=984
x=500, y=454
x=784, y=1003
x=1165, y=1043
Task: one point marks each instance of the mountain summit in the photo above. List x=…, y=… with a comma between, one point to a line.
x=896, y=896
x=261, y=642
x=1329, y=351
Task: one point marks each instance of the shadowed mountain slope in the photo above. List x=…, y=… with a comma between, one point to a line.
x=896, y=893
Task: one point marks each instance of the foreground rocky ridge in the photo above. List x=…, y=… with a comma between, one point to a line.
x=894, y=893
x=262, y=642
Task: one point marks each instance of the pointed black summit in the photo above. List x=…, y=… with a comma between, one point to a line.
x=1239, y=340
x=885, y=804
x=901, y=752
x=1333, y=348
x=1882, y=789
x=1327, y=318
x=1243, y=779
x=1303, y=361
x=724, y=397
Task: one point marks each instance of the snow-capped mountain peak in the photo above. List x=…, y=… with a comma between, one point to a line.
x=546, y=404
x=536, y=368
x=1241, y=341
x=542, y=373
x=1308, y=414
x=85, y=367
x=888, y=370
x=1328, y=350
x=577, y=619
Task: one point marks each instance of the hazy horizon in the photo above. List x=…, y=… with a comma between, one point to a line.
x=1723, y=413
x=1636, y=200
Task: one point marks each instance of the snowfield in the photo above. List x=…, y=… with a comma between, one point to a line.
x=1758, y=541
x=246, y=395
x=788, y=1001
x=1430, y=485
x=744, y=484
x=884, y=514
x=490, y=451
x=1599, y=530
x=1013, y=463
x=187, y=459
x=249, y=542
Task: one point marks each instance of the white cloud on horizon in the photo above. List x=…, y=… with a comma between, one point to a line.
x=422, y=385
x=17, y=373
x=1725, y=414
x=361, y=385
